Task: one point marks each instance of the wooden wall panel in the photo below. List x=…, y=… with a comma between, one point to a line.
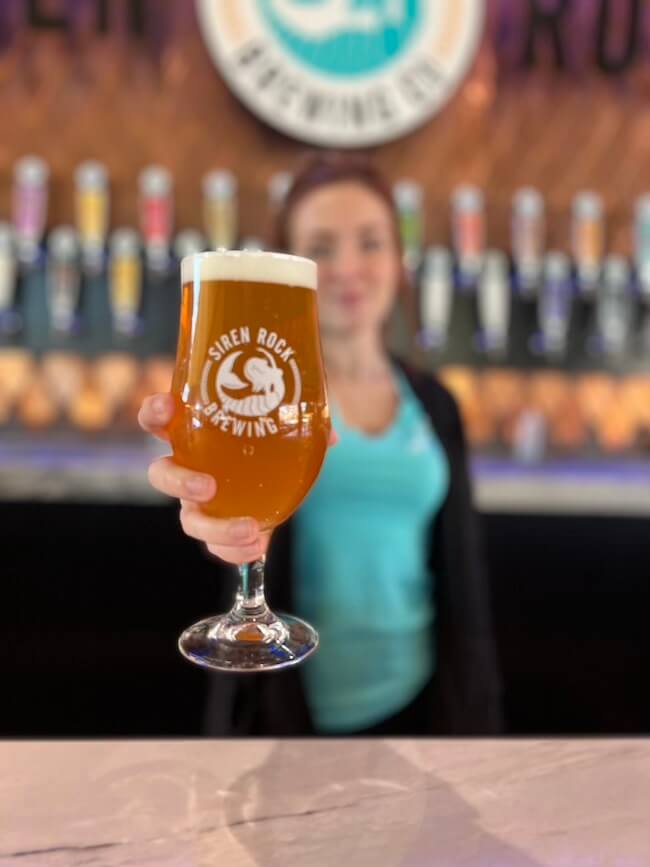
x=129, y=106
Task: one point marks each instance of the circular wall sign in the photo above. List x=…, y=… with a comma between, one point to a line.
x=342, y=73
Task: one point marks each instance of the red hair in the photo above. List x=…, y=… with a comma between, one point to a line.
x=321, y=170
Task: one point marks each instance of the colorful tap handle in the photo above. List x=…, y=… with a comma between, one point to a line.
x=125, y=280
x=613, y=305
x=468, y=232
x=494, y=301
x=30, y=199
x=616, y=274
x=156, y=215
x=642, y=244
x=92, y=210
x=251, y=243
x=409, y=198
x=10, y=319
x=587, y=239
x=278, y=187
x=436, y=298
x=528, y=234
x=188, y=242
x=220, y=209
x=7, y=268
x=554, y=303
x=63, y=278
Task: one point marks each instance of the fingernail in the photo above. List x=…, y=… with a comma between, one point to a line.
x=159, y=405
x=243, y=528
x=197, y=485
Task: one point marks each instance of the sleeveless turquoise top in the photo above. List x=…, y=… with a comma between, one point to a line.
x=362, y=545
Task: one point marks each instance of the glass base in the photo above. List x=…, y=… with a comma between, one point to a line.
x=229, y=643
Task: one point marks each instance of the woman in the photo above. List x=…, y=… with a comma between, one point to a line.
x=384, y=555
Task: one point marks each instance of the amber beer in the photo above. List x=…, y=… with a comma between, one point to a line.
x=249, y=383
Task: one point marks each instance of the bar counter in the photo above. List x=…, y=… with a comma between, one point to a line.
x=310, y=803
x=97, y=470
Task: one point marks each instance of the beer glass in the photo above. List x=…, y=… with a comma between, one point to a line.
x=251, y=410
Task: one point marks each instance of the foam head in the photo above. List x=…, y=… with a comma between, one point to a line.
x=250, y=266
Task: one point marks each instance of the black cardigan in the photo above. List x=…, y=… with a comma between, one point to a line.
x=465, y=694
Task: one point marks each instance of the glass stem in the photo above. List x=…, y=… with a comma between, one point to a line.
x=250, y=600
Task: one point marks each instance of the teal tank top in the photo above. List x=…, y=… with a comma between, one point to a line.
x=362, y=544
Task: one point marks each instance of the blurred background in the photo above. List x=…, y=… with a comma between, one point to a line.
x=518, y=142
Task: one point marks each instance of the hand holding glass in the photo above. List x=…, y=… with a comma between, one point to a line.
x=251, y=410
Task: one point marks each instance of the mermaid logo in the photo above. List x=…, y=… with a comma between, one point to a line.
x=346, y=73
x=260, y=393
x=253, y=390
x=341, y=37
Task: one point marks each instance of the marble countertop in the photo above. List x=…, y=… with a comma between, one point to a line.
x=311, y=803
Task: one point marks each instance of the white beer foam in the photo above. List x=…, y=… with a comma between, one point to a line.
x=251, y=266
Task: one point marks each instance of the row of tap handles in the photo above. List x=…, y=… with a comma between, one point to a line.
x=551, y=278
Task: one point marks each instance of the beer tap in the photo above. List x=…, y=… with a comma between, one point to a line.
x=494, y=301
x=156, y=216
x=468, y=233
x=528, y=232
x=613, y=306
x=642, y=262
x=436, y=298
x=10, y=320
x=188, y=242
x=408, y=198
x=92, y=210
x=125, y=280
x=30, y=197
x=587, y=240
x=63, y=278
x=278, y=187
x=642, y=245
x=554, y=305
x=220, y=209
x=252, y=243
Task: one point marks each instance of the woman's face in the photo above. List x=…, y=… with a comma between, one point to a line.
x=348, y=230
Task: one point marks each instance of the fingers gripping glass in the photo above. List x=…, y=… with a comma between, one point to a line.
x=251, y=411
